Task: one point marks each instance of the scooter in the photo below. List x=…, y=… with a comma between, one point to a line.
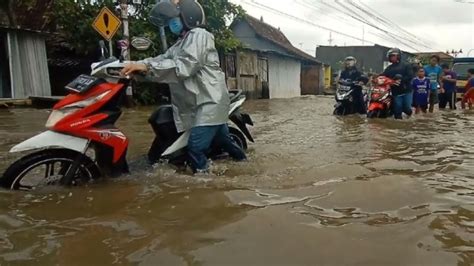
x=82, y=143
x=380, y=98
x=345, y=104
x=345, y=94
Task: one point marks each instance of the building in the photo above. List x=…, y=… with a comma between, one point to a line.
x=268, y=65
x=369, y=58
x=23, y=59
x=444, y=57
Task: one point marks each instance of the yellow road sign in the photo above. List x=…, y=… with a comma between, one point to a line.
x=106, y=23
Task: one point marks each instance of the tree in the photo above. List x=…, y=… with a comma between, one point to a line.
x=74, y=19
x=220, y=13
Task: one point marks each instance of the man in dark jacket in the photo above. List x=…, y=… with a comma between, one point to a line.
x=352, y=74
x=401, y=91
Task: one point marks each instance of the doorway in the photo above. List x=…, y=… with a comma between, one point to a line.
x=5, y=84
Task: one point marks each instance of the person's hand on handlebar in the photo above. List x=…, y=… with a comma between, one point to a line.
x=133, y=68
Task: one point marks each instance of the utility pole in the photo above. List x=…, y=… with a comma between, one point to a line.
x=330, y=38
x=126, y=47
x=454, y=52
x=363, y=35
x=126, y=31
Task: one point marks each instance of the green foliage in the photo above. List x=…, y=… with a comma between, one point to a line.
x=220, y=13
x=74, y=20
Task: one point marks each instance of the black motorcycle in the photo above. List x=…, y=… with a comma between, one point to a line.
x=169, y=144
x=347, y=97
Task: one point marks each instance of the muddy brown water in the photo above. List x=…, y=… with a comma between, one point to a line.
x=318, y=190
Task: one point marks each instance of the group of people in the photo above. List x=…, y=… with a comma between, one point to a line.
x=416, y=87
x=434, y=84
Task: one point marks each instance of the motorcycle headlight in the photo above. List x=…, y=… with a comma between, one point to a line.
x=87, y=102
x=341, y=95
x=58, y=115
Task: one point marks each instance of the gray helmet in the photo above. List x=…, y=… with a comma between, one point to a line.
x=350, y=61
x=350, y=58
x=394, y=51
x=190, y=11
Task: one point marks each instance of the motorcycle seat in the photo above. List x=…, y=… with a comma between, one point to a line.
x=164, y=114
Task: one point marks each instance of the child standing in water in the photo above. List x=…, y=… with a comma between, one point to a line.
x=421, y=91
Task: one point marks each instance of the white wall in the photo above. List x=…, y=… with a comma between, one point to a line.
x=284, y=76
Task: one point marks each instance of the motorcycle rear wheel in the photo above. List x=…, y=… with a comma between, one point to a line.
x=238, y=137
x=53, y=166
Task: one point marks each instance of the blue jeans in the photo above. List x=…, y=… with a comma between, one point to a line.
x=402, y=104
x=200, y=143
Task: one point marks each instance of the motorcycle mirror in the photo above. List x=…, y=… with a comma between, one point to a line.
x=141, y=43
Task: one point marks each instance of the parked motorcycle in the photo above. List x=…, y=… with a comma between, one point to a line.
x=346, y=102
x=82, y=143
x=380, y=98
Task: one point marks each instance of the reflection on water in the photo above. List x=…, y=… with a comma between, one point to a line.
x=318, y=190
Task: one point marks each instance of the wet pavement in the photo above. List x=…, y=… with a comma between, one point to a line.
x=318, y=190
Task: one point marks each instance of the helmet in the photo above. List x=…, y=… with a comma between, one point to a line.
x=162, y=12
x=350, y=61
x=394, y=51
x=190, y=11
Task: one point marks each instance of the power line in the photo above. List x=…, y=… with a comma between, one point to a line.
x=378, y=28
x=393, y=26
x=278, y=12
x=364, y=22
x=390, y=23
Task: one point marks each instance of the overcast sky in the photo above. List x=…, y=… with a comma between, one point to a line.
x=423, y=25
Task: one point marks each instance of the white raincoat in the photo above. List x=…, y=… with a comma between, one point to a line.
x=199, y=94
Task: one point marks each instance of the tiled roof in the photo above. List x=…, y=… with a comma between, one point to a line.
x=275, y=36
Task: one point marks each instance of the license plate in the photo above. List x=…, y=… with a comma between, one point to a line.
x=461, y=83
x=83, y=83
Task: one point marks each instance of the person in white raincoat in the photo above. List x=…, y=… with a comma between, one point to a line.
x=199, y=94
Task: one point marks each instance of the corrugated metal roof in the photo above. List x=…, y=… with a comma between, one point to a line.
x=32, y=15
x=277, y=37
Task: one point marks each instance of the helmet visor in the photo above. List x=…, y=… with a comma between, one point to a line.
x=162, y=12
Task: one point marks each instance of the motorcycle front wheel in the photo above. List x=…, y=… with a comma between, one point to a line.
x=46, y=168
x=374, y=114
x=340, y=110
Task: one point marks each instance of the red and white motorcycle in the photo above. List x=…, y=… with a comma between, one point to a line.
x=81, y=142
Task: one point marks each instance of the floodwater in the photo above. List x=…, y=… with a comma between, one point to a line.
x=318, y=190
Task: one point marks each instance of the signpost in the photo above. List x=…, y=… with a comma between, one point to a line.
x=107, y=24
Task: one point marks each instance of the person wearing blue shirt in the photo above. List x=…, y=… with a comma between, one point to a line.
x=448, y=88
x=433, y=73
x=421, y=91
